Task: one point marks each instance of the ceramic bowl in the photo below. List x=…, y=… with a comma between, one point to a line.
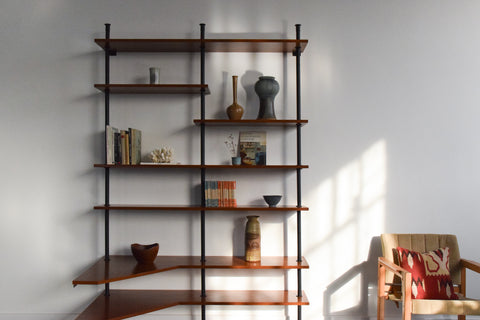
x=272, y=200
x=144, y=253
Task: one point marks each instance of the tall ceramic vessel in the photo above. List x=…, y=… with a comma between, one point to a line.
x=266, y=89
x=235, y=111
x=252, y=240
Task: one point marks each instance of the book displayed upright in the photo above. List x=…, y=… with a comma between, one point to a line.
x=253, y=147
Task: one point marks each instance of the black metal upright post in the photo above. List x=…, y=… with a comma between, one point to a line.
x=202, y=161
x=107, y=170
x=297, y=54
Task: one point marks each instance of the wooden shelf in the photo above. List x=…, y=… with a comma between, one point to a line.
x=153, y=207
x=153, y=88
x=193, y=45
x=129, y=303
x=197, y=166
x=256, y=167
x=250, y=122
x=145, y=166
x=126, y=267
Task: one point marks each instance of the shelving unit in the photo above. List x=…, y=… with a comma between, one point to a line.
x=120, y=304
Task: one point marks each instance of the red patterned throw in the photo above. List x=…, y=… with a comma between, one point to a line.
x=430, y=273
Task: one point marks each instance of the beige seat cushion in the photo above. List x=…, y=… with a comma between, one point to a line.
x=462, y=306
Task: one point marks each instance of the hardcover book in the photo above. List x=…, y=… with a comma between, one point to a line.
x=110, y=143
x=135, y=137
x=253, y=147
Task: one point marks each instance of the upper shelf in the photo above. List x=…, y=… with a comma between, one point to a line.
x=250, y=122
x=154, y=88
x=193, y=45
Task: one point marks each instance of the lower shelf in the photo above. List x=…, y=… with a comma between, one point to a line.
x=123, y=304
x=126, y=267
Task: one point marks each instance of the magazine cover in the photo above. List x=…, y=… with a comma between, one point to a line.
x=253, y=147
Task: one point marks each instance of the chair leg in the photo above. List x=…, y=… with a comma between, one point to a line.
x=381, y=293
x=407, y=296
x=381, y=308
x=406, y=314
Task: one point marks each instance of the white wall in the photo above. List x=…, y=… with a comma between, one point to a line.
x=390, y=90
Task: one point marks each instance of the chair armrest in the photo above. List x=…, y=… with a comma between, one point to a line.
x=399, y=271
x=472, y=265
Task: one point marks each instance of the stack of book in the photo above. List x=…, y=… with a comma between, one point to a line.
x=220, y=193
x=123, y=146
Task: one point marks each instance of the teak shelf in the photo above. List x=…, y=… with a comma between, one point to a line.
x=250, y=122
x=138, y=207
x=125, y=267
x=153, y=88
x=194, y=45
x=121, y=304
x=198, y=166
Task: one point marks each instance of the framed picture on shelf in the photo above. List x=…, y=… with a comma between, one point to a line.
x=253, y=147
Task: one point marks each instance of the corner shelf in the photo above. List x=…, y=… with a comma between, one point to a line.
x=122, y=304
x=126, y=267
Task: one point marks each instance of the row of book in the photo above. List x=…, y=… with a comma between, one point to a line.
x=123, y=146
x=220, y=193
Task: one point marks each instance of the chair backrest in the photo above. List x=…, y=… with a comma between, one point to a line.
x=421, y=243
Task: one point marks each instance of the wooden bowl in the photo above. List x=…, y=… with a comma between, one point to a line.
x=144, y=253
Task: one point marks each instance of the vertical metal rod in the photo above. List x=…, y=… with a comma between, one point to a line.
x=299, y=171
x=107, y=170
x=202, y=161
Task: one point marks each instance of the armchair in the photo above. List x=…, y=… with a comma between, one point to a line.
x=395, y=282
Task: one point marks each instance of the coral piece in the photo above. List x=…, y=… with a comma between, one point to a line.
x=163, y=155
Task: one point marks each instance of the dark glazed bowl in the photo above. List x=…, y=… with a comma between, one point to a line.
x=272, y=200
x=145, y=253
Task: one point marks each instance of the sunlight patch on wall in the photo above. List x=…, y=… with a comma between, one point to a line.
x=350, y=207
x=358, y=215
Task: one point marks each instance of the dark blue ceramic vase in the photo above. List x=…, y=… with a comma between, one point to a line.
x=266, y=88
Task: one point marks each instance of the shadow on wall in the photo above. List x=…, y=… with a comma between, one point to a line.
x=361, y=277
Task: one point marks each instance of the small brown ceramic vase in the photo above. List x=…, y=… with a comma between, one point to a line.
x=235, y=111
x=252, y=240
x=144, y=253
